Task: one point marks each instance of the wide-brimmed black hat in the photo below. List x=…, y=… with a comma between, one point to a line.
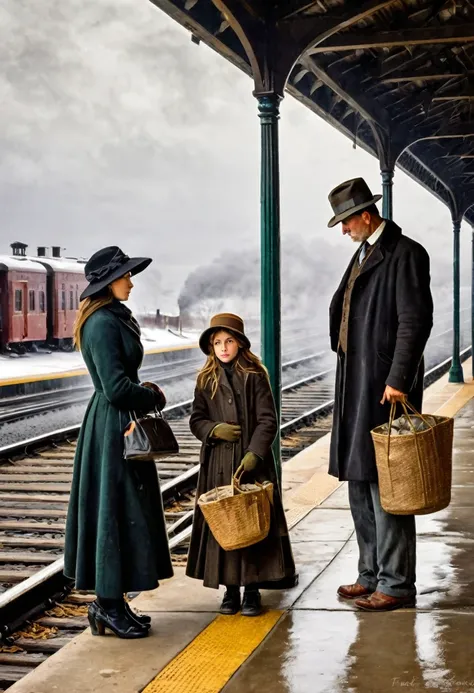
x=107, y=265
x=350, y=197
x=224, y=321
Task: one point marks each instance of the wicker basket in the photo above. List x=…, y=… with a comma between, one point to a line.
x=238, y=516
x=414, y=470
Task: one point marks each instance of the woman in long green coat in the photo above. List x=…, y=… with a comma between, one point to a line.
x=116, y=539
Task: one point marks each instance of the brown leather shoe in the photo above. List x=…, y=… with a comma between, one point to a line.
x=355, y=591
x=379, y=601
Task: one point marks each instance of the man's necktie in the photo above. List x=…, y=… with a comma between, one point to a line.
x=363, y=252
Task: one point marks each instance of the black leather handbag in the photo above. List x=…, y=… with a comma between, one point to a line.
x=149, y=438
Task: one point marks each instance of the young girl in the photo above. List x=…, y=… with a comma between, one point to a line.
x=234, y=417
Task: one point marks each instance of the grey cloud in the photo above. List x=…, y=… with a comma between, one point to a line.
x=115, y=128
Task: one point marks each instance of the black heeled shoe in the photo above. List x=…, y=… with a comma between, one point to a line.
x=142, y=619
x=116, y=620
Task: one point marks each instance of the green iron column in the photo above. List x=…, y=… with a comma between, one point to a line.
x=268, y=107
x=387, y=189
x=455, y=372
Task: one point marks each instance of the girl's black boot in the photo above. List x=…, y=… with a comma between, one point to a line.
x=252, y=604
x=231, y=602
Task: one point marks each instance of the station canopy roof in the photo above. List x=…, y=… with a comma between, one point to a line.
x=396, y=76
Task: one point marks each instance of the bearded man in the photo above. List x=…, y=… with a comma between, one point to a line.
x=380, y=320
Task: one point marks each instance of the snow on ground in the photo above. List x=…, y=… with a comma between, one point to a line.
x=31, y=365
x=153, y=338
x=12, y=367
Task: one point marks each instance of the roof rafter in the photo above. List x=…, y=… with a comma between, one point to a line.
x=364, y=108
x=447, y=133
x=455, y=96
x=425, y=76
x=295, y=34
x=296, y=7
x=409, y=95
x=459, y=33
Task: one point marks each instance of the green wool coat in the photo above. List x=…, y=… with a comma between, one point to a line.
x=247, y=399
x=116, y=539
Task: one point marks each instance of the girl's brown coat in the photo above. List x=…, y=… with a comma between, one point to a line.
x=269, y=563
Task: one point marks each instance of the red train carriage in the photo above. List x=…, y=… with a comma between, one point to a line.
x=23, y=307
x=39, y=298
x=65, y=284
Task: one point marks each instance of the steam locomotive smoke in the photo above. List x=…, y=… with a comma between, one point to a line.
x=310, y=273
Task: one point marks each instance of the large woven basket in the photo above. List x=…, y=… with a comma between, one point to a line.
x=238, y=516
x=414, y=470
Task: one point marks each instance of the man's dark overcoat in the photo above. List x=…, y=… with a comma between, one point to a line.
x=116, y=539
x=268, y=564
x=390, y=320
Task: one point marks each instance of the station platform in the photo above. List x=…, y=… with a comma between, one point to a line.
x=41, y=366
x=308, y=640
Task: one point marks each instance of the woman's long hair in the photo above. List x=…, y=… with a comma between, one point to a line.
x=246, y=362
x=86, y=308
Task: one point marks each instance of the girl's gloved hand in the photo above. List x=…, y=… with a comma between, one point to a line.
x=250, y=461
x=229, y=432
x=159, y=394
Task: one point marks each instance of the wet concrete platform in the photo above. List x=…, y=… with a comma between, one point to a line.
x=324, y=645
x=316, y=642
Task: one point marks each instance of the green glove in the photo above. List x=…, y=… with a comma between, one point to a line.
x=228, y=432
x=250, y=461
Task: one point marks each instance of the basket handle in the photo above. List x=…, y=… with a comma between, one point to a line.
x=393, y=409
x=236, y=479
x=407, y=405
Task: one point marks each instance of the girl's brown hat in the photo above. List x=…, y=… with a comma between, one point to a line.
x=224, y=321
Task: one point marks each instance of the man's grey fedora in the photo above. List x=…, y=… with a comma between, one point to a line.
x=350, y=197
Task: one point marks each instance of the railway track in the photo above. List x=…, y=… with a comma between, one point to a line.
x=18, y=407
x=34, y=486
x=178, y=371
x=34, y=490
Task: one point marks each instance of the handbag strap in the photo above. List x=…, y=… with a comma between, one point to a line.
x=133, y=414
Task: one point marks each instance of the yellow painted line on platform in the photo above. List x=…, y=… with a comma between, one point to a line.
x=43, y=376
x=178, y=347
x=305, y=498
x=460, y=397
x=213, y=657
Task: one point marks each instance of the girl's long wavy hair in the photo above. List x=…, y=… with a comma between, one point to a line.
x=86, y=308
x=246, y=362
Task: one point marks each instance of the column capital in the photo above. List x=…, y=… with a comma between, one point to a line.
x=387, y=174
x=457, y=225
x=268, y=106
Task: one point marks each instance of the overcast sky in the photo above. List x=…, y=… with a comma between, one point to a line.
x=116, y=129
